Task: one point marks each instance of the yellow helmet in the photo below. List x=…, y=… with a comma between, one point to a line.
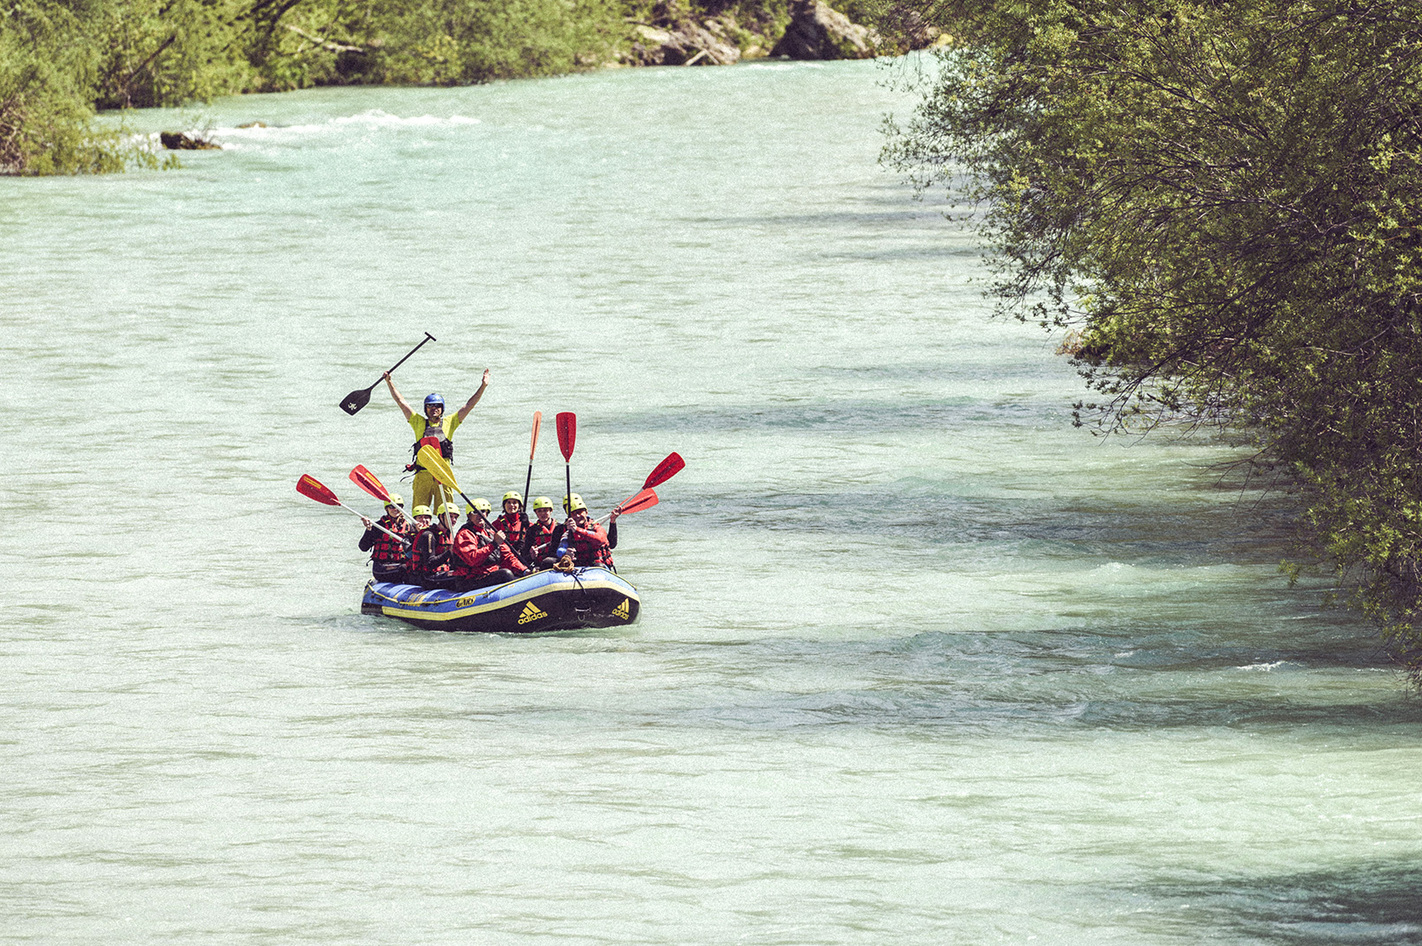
x=394, y=500
x=542, y=502
x=482, y=504
x=448, y=509
x=421, y=511
x=512, y=494
x=573, y=503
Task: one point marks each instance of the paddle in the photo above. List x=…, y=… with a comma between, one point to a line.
x=643, y=500
x=665, y=470
x=358, y=399
x=567, y=433
x=443, y=473
x=367, y=481
x=671, y=466
x=311, y=488
x=533, y=445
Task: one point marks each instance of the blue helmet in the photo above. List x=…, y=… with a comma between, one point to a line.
x=434, y=400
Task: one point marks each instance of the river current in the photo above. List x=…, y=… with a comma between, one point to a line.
x=918, y=661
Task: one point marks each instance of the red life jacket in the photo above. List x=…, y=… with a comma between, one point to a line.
x=430, y=553
x=589, y=546
x=540, y=540
x=387, y=550
x=436, y=433
x=511, y=526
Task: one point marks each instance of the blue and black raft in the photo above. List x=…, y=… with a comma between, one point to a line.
x=537, y=602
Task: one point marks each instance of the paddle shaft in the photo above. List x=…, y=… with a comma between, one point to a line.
x=532, y=447
x=377, y=525
x=361, y=397
x=428, y=338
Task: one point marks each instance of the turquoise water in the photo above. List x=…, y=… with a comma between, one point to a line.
x=918, y=661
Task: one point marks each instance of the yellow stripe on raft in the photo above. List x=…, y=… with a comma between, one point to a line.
x=398, y=609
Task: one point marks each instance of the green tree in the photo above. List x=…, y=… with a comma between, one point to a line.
x=167, y=52
x=447, y=42
x=48, y=70
x=62, y=59
x=1220, y=202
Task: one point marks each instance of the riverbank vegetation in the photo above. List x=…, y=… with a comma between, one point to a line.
x=61, y=60
x=1218, y=203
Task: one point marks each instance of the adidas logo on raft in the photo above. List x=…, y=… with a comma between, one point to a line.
x=622, y=610
x=531, y=613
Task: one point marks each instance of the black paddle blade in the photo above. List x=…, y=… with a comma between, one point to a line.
x=355, y=401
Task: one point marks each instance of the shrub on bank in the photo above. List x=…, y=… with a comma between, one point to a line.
x=1220, y=202
x=60, y=60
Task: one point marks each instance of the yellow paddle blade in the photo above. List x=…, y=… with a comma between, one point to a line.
x=438, y=466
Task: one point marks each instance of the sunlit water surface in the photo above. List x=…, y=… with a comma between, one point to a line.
x=918, y=661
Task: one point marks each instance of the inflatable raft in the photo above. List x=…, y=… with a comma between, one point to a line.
x=541, y=601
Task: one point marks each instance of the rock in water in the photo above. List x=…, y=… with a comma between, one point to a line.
x=817, y=31
x=177, y=141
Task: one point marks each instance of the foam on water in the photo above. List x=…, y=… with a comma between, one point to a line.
x=373, y=118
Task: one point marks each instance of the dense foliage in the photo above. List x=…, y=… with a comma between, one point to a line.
x=62, y=59
x=1220, y=202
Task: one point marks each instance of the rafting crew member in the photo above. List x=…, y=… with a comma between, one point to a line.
x=486, y=512
x=429, y=555
x=388, y=555
x=514, y=524
x=480, y=556
x=437, y=430
x=541, y=541
x=583, y=541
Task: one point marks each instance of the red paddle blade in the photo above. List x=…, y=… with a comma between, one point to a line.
x=665, y=470
x=367, y=481
x=533, y=443
x=643, y=500
x=311, y=488
x=567, y=433
x=640, y=494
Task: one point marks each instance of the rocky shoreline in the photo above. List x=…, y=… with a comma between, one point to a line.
x=678, y=37
x=816, y=31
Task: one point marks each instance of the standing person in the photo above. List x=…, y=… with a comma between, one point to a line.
x=514, y=524
x=388, y=555
x=583, y=540
x=438, y=430
x=542, y=535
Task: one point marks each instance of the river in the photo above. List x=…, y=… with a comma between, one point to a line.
x=918, y=661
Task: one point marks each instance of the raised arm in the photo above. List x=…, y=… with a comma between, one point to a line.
x=404, y=408
x=464, y=411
